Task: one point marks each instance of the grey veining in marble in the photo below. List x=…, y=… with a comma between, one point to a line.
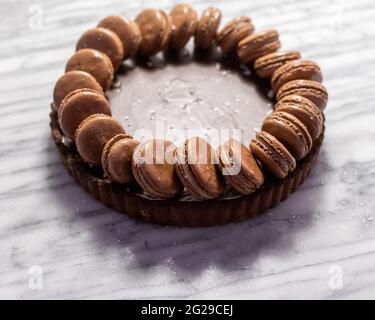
x=57, y=242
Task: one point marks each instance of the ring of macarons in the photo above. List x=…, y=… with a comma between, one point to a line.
x=286, y=136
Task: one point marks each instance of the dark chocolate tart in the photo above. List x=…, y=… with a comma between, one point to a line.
x=174, y=211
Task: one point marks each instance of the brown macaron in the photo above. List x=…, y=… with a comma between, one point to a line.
x=95, y=63
x=184, y=21
x=296, y=70
x=257, y=45
x=266, y=65
x=72, y=81
x=205, y=33
x=153, y=168
x=239, y=167
x=128, y=32
x=233, y=32
x=155, y=27
x=290, y=131
x=309, y=89
x=103, y=40
x=117, y=158
x=305, y=110
x=92, y=135
x=197, y=171
x=272, y=154
x=77, y=106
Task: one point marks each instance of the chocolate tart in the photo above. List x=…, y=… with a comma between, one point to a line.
x=178, y=212
x=183, y=99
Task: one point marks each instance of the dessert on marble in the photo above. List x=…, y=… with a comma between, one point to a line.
x=191, y=183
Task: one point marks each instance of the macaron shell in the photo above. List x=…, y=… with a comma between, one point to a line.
x=312, y=90
x=186, y=176
x=77, y=106
x=117, y=158
x=72, y=81
x=266, y=65
x=203, y=168
x=249, y=167
x=289, y=131
x=154, y=174
x=272, y=154
x=92, y=135
x=242, y=171
x=257, y=45
x=95, y=63
x=103, y=40
x=153, y=26
x=207, y=27
x=128, y=32
x=233, y=32
x=305, y=110
x=167, y=26
x=184, y=20
x=296, y=70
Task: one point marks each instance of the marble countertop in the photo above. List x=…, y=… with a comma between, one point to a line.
x=57, y=242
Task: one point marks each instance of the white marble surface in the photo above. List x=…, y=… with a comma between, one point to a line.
x=88, y=251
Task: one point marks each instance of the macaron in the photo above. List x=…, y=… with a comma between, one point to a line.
x=92, y=135
x=208, y=24
x=155, y=27
x=239, y=167
x=117, y=158
x=128, y=32
x=95, y=63
x=290, y=131
x=266, y=65
x=195, y=166
x=184, y=21
x=233, y=32
x=257, y=45
x=71, y=81
x=272, y=154
x=305, y=110
x=312, y=90
x=103, y=40
x=153, y=168
x=77, y=106
x=296, y=70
